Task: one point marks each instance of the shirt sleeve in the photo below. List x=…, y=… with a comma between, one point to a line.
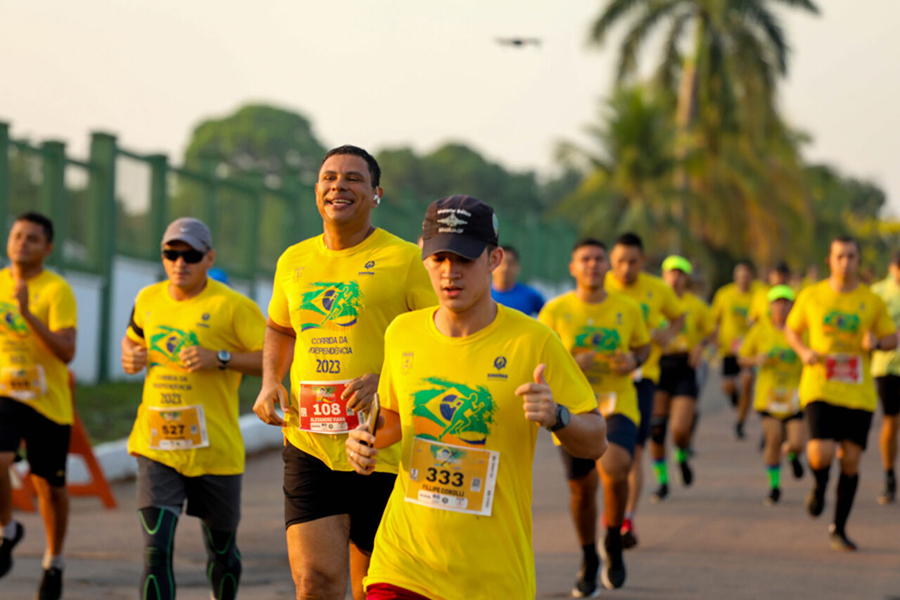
x=883, y=325
x=279, y=311
x=387, y=395
x=566, y=380
x=640, y=335
x=797, y=318
x=671, y=307
x=249, y=325
x=63, y=313
x=545, y=316
x=716, y=309
x=135, y=331
x=419, y=293
x=537, y=302
x=749, y=347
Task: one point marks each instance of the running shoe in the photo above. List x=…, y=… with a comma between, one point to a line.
x=687, y=475
x=815, y=503
x=890, y=489
x=629, y=539
x=739, y=430
x=661, y=493
x=773, y=497
x=839, y=540
x=613, y=572
x=586, y=584
x=798, y=467
x=6, y=548
x=51, y=585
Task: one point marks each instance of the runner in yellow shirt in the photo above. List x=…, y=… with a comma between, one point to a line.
x=675, y=401
x=606, y=334
x=777, y=396
x=37, y=340
x=731, y=312
x=886, y=370
x=464, y=389
x=659, y=305
x=845, y=321
x=759, y=308
x=196, y=337
x=333, y=297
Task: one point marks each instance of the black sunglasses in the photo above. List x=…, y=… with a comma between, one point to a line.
x=190, y=256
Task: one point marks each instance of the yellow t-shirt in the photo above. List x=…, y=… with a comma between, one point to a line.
x=466, y=441
x=731, y=310
x=759, y=306
x=778, y=379
x=339, y=303
x=615, y=325
x=888, y=363
x=698, y=324
x=658, y=303
x=29, y=372
x=836, y=323
x=189, y=421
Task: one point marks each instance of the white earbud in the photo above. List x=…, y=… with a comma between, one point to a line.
x=377, y=199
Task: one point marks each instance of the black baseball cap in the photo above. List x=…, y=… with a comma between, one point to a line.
x=462, y=225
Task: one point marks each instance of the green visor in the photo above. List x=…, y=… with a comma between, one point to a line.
x=781, y=292
x=678, y=262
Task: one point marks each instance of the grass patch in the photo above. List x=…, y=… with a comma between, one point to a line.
x=108, y=409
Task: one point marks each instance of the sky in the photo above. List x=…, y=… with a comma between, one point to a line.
x=386, y=73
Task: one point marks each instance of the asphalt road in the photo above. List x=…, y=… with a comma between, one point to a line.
x=714, y=540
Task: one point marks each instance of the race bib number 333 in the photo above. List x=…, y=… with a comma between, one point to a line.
x=322, y=410
x=181, y=428
x=452, y=478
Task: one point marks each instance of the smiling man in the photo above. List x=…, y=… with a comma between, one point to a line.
x=37, y=340
x=465, y=387
x=333, y=298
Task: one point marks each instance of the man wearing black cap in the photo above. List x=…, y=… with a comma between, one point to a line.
x=332, y=299
x=455, y=383
x=196, y=337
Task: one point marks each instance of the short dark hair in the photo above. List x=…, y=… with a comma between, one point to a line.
x=747, y=263
x=782, y=268
x=512, y=251
x=589, y=242
x=630, y=239
x=374, y=169
x=844, y=239
x=39, y=219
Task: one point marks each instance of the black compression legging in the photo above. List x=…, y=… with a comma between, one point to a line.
x=223, y=568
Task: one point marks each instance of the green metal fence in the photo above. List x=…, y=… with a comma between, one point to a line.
x=118, y=202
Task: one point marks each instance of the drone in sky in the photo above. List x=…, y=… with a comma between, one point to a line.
x=518, y=42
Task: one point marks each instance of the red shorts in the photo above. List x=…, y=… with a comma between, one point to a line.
x=386, y=591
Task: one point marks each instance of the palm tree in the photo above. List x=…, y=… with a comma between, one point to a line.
x=736, y=50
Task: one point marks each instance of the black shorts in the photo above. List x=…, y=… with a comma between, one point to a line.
x=47, y=442
x=677, y=377
x=214, y=499
x=730, y=366
x=620, y=430
x=889, y=392
x=829, y=422
x=313, y=491
x=645, y=391
x=796, y=415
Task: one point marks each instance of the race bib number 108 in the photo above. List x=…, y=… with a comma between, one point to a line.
x=322, y=410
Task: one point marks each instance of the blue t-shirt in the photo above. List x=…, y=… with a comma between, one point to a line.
x=521, y=297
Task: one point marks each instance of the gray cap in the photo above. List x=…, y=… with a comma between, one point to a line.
x=192, y=232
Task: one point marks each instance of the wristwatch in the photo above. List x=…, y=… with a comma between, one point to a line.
x=563, y=416
x=224, y=357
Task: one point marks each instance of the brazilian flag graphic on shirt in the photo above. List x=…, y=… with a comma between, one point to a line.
x=331, y=305
x=166, y=345
x=453, y=413
x=600, y=339
x=12, y=321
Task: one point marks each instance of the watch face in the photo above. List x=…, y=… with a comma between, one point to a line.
x=224, y=355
